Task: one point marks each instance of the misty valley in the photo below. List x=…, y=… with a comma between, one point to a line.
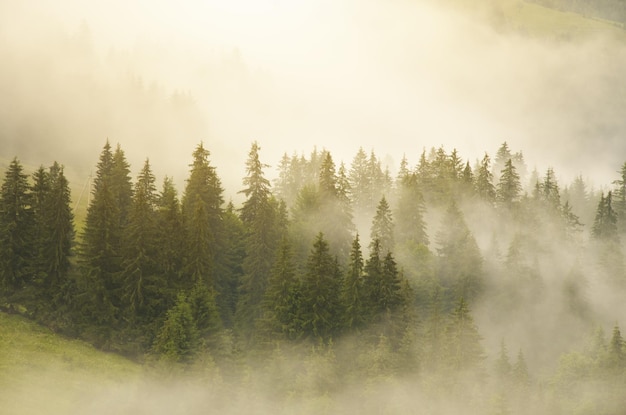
x=313, y=207
x=448, y=287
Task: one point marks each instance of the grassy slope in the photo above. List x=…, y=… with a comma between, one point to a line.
x=534, y=20
x=42, y=373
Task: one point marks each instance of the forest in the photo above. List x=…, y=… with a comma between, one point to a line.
x=478, y=286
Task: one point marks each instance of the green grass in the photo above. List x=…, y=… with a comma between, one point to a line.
x=43, y=373
x=533, y=20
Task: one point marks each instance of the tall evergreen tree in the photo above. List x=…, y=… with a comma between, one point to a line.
x=360, y=182
x=139, y=275
x=259, y=217
x=169, y=237
x=620, y=197
x=101, y=253
x=352, y=291
x=282, y=298
x=463, y=348
x=484, y=180
x=320, y=303
x=410, y=226
x=605, y=223
x=334, y=218
x=121, y=184
x=549, y=191
x=460, y=261
x=58, y=225
x=383, y=227
x=509, y=187
x=178, y=339
x=16, y=230
x=202, y=220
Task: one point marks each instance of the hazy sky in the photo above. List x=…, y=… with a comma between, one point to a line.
x=392, y=76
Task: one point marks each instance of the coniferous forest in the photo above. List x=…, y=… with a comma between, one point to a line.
x=460, y=285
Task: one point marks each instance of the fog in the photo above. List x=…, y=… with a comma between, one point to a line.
x=394, y=77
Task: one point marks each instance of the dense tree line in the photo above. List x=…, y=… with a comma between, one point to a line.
x=319, y=255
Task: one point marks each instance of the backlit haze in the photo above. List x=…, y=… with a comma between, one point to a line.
x=390, y=76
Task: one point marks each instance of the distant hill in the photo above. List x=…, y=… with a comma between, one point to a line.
x=552, y=19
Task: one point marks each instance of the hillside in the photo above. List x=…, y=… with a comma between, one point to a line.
x=41, y=372
x=534, y=20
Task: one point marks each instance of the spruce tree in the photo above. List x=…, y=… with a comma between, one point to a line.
x=169, y=236
x=484, y=180
x=459, y=258
x=101, y=251
x=259, y=217
x=178, y=339
x=509, y=187
x=231, y=267
x=58, y=225
x=410, y=226
x=334, y=218
x=352, y=291
x=16, y=231
x=605, y=222
x=320, y=303
x=620, y=198
x=281, y=303
x=383, y=227
x=141, y=285
x=463, y=342
x=202, y=220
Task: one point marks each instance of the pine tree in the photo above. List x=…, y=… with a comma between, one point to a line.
x=503, y=155
x=101, y=252
x=16, y=231
x=509, y=187
x=259, y=217
x=549, y=191
x=410, y=226
x=352, y=292
x=231, y=268
x=520, y=371
x=139, y=275
x=58, y=225
x=39, y=193
x=334, y=219
x=281, y=303
x=121, y=185
x=619, y=198
x=202, y=220
x=616, y=350
x=605, y=223
x=484, y=180
x=463, y=347
x=178, y=339
x=460, y=261
x=320, y=301
x=383, y=227
x=503, y=366
x=169, y=237
x=360, y=182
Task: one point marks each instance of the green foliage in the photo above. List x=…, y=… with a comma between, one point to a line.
x=178, y=339
x=16, y=230
x=320, y=303
x=383, y=228
x=260, y=218
x=202, y=220
x=460, y=263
